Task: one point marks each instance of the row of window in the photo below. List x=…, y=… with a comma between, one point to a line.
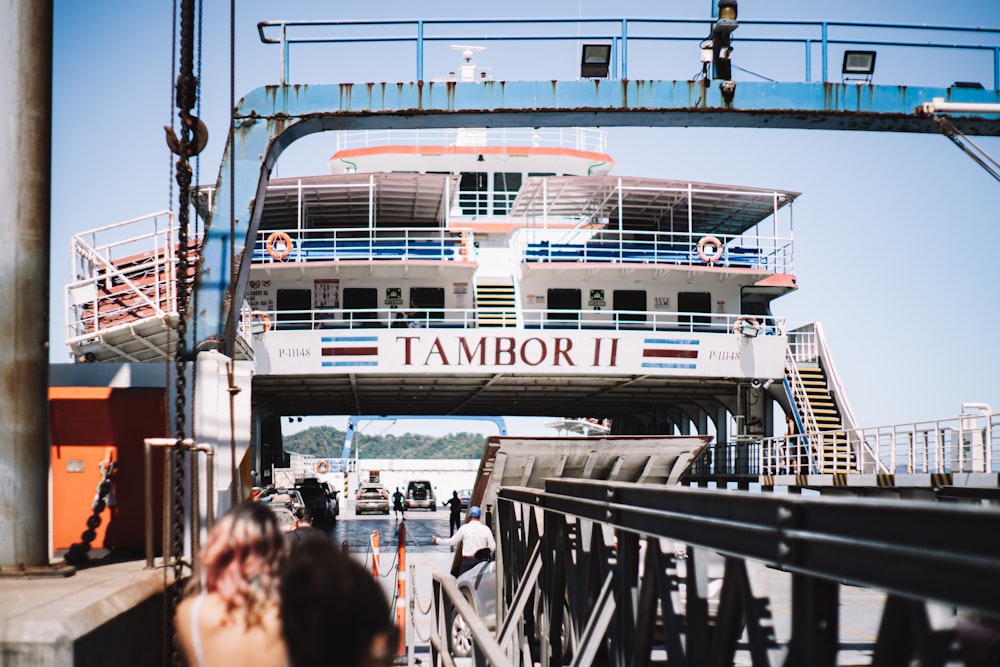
x=562, y=304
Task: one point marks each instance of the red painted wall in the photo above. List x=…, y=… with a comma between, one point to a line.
x=85, y=424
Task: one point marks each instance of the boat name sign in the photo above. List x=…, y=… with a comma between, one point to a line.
x=519, y=351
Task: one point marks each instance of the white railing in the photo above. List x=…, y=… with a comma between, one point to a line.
x=111, y=268
x=969, y=443
x=466, y=318
x=575, y=138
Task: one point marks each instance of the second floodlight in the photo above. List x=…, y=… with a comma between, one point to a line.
x=595, y=60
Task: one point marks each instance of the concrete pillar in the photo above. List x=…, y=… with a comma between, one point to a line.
x=25, y=143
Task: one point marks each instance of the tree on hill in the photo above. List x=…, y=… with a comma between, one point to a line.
x=328, y=442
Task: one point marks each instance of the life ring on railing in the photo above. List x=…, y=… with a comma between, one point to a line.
x=322, y=467
x=264, y=319
x=709, y=249
x=273, y=240
x=750, y=321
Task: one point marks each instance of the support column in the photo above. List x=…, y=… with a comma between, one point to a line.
x=25, y=143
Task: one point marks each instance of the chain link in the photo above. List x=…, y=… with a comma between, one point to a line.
x=415, y=607
x=187, y=93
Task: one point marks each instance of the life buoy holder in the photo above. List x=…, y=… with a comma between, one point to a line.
x=709, y=249
x=322, y=467
x=272, y=242
x=751, y=321
x=264, y=319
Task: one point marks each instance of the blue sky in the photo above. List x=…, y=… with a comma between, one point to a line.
x=896, y=234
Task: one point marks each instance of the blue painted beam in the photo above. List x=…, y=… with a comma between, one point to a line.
x=271, y=118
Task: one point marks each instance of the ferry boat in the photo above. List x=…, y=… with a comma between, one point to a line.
x=476, y=271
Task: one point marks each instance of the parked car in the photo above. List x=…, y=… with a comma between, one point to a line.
x=372, y=498
x=465, y=495
x=478, y=586
x=420, y=493
x=288, y=497
x=318, y=501
x=286, y=519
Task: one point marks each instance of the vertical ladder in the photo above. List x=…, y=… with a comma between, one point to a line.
x=496, y=305
x=821, y=417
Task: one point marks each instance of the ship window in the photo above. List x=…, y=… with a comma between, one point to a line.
x=426, y=303
x=564, y=300
x=632, y=300
x=473, y=193
x=294, y=309
x=360, y=303
x=541, y=173
x=505, y=187
x=694, y=302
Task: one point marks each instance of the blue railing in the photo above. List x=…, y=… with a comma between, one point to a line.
x=815, y=38
x=316, y=245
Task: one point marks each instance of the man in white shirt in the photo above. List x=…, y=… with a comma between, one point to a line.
x=473, y=535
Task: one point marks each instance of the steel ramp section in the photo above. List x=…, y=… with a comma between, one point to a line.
x=529, y=461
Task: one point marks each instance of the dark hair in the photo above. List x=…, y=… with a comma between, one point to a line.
x=329, y=599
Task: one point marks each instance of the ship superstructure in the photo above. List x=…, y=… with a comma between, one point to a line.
x=475, y=271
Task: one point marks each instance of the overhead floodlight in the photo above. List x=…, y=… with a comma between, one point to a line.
x=595, y=60
x=858, y=64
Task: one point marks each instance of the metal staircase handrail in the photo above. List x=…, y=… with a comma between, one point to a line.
x=833, y=381
x=806, y=419
x=862, y=448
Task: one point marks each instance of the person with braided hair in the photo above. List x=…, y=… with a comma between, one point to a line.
x=231, y=611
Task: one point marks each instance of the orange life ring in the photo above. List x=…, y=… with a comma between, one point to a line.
x=752, y=321
x=322, y=467
x=263, y=318
x=273, y=239
x=703, y=252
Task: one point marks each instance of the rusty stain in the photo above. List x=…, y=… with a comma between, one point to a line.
x=345, y=95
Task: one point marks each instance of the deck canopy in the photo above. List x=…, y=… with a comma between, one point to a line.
x=344, y=200
x=650, y=204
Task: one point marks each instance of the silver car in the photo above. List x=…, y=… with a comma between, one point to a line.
x=372, y=499
x=478, y=586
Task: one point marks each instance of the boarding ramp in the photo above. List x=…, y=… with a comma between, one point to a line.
x=529, y=461
x=600, y=560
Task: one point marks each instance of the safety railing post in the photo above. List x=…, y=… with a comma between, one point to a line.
x=374, y=540
x=188, y=445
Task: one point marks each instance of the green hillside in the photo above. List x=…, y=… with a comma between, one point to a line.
x=328, y=442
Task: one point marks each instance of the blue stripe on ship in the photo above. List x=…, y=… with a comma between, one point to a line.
x=670, y=341
x=329, y=364
x=689, y=367
x=348, y=339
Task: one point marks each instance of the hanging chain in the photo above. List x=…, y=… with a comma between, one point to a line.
x=186, y=94
x=415, y=607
